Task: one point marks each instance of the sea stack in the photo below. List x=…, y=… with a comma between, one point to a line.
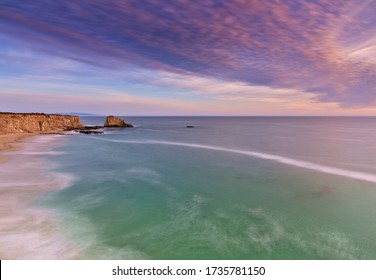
x=112, y=121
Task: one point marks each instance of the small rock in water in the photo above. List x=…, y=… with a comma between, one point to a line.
x=190, y=126
x=112, y=121
x=90, y=131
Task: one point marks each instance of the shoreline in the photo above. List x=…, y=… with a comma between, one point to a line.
x=12, y=142
x=27, y=230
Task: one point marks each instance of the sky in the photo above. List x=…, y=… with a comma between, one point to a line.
x=184, y=57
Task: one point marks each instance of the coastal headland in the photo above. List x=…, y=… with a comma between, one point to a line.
x=16, y=126
x=37, y=122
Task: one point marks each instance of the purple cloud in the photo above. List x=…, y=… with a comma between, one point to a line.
x=302, y=45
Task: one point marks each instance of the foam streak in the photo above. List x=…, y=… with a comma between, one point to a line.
x=285, y=160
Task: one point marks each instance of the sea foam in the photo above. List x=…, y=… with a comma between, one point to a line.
x=369, y=177
x=28, y=231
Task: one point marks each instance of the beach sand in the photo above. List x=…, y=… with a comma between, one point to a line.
x=29, y=231
x=13, y=141
x=10, y=142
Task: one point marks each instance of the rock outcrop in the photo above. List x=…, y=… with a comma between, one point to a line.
x=112, y=121
x=37, y=122
x=86, y=131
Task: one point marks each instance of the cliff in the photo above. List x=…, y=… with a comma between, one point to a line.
x=36, y=122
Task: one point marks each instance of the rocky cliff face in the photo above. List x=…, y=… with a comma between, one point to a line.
x=112, y=121
x=36, y=122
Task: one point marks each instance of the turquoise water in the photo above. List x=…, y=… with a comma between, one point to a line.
x=230, y=188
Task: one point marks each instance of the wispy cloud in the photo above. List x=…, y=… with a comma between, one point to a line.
x=293, y=51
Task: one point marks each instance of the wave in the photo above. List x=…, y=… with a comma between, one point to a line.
x=280, y=159
x=28, y=230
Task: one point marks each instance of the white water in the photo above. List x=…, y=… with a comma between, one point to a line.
x=28, y=231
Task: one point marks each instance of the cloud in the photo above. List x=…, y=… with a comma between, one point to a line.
x=324, y=48
x=225, y=90
x=99, y=101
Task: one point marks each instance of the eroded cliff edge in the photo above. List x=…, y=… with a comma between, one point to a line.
x=37, y=122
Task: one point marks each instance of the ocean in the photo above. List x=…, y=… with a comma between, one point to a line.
x=229, y=188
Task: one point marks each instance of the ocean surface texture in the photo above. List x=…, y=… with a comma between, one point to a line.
x=229, y=188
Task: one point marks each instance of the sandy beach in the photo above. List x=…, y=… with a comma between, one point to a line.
x=11, y=142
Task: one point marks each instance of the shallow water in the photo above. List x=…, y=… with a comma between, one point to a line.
x=26, y=230
x=229, y=188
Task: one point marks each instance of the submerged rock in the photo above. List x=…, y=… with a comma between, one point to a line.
x=92, y=127
x=112, y=121
x=90, y=131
